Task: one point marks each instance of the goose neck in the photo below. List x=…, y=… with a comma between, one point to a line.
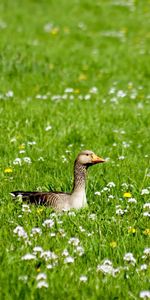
x=79, y=176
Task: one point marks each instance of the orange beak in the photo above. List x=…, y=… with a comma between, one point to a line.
x=96, y=159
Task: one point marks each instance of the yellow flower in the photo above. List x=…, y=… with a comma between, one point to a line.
x=38, y=270
x=113, y=244
x=21, y=147
x=127, y=195
x=76, y=91
x=8, y=170
x=131, y=230
x=55, y=31
x=82, y=77
x=39, y=210
x=66, y=30
x=146, y=231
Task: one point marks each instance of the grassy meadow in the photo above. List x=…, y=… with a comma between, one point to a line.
x=74, y=75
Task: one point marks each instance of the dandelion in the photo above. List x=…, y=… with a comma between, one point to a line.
x=8, y=170
x=69, y=260
x=145, y=294
x=146, y=231
x=83, y=278
x=127, y=195
x=82, y=77
x=128, y=257
x=42, y=284
x=113, y=244
x=28, y=256
x=131, y=230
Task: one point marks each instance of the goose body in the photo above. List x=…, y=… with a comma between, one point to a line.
x=66, y=201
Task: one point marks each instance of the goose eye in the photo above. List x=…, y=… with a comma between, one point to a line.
x=87, y=154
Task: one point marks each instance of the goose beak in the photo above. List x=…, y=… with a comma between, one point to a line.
x=96, y=159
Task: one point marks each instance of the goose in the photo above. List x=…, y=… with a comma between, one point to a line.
x=65, y=201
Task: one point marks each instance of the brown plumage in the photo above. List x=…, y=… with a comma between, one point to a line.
x=65, y=201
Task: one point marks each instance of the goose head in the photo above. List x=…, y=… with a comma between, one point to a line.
x=88, y=158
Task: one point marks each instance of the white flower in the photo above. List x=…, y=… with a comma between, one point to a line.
x=92, y=216
x=23, y=278
x=36, y=230
x=107, y=268
x=83, y=278
x=147, y=251
x=94, y=90
x=27, y=160
x=65, y=252
x=146, y=205
x=10, y=94
x=145, y=294
x=71, y=213
x=48, y=27
x=49, y=127
x=26, y=208
x=120, y=212
x=121, y=94
x=82, y=229
x=111, y=184
x=32, y=143
x=79, y=250
x=69, y=90
x=42, y=284
x=121, y=157
x=48, y=223
x=41, y=276
x=17, y=161
x=19, y=230
x=145, y=192
x=48, y=255
x=97, y=193
x=37, y=249
x=87, y=97
x=74, y=241
x=128, y=257
x=49, y=266
x=40, y=158
x=146, y=214
x=143, y=267
x=68, y=260
x=132, y=200
x=28, y=256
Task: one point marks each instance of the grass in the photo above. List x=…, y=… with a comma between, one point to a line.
x=88, y=44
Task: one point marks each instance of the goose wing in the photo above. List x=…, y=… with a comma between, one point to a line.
x=57, y=200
